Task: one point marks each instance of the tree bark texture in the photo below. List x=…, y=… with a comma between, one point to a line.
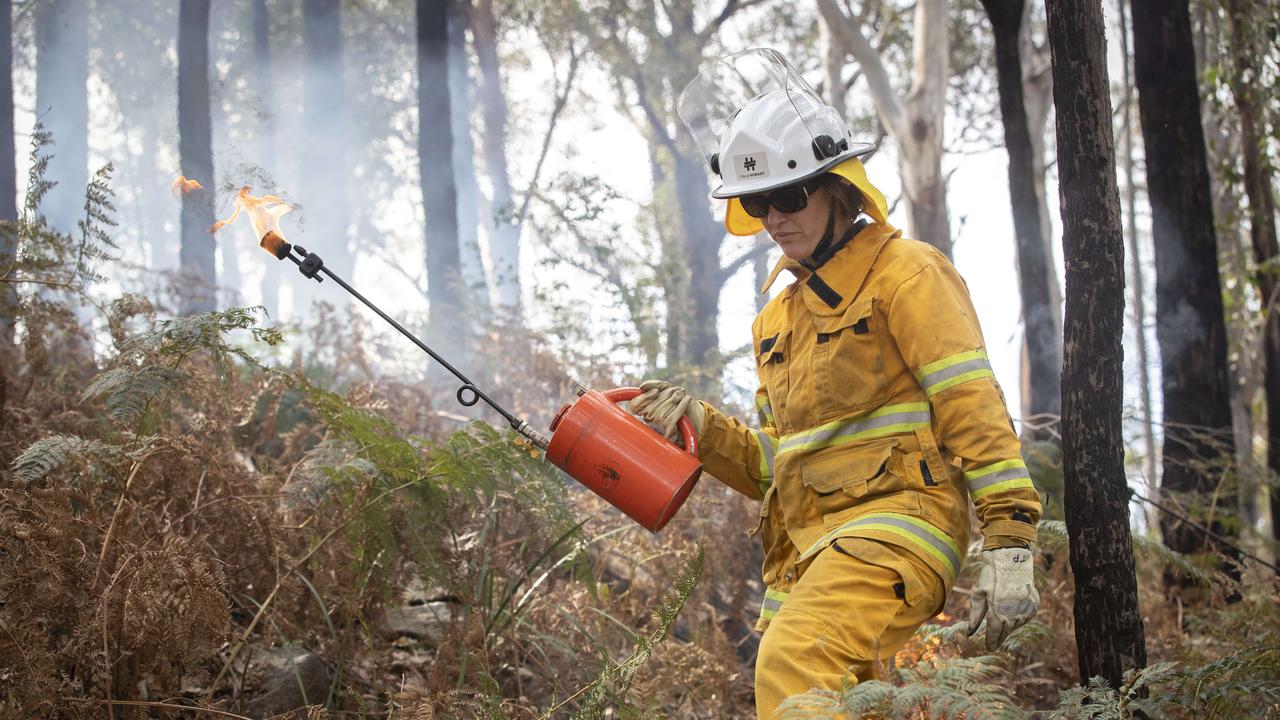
x=475, y=279
x=1190, y=323
x=264, y=140
x=1138, y=292
x=503, y=225
x=196, y=264
x=435, y=168
x=325, y=194
x=8, y=179
x=1246, y=26
x=1036, y=276
x=1109, y=630
x=62, y=105
x=916, y=119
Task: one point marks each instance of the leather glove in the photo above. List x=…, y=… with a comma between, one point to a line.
x=663, y=404
x=1005, y=594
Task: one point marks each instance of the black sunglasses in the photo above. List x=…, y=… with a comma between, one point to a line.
x=790, y=199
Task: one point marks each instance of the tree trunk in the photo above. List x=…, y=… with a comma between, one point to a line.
x=1138, y=293
x=195, y=151
x=435, y=168
x=8, y=181
x=1221, y=142
x=915, y=121
x=702, y=239
x=1109, y=631
x=474, y=278
x=62, y=105
x=1190, y=324
x=1041, y=330
x=264, y=140
x=1246, y=24
x=504, y=230
x=324, y=191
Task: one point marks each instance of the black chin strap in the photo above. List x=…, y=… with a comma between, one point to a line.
x=826, y=248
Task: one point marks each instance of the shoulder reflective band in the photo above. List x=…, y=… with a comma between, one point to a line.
x=768, y=446
x=764, y=408
x=773, y=600
x=915, y=531
x=998, y=477
x=888, y=420
x=954, y=370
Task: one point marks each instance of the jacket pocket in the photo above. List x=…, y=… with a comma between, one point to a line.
x=843, y=477
x=773, y=361
x=848, y=361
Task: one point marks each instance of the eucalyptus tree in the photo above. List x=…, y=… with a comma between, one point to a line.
x=1109, y=631
x=8, y=182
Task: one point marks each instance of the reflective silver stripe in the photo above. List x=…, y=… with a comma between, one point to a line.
x=915, y=530
x=772, y=603
x=889, y=420
x=1004, y=475
x=765, y=409
x=936, y=377
x=768, y=446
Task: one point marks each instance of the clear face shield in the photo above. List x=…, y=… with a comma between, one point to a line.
x=710, y=102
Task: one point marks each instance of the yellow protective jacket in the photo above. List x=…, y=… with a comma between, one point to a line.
x=880, y=416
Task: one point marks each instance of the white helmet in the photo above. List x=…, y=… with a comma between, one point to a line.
x=760, y=126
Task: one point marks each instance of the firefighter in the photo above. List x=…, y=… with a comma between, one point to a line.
x=880, y=417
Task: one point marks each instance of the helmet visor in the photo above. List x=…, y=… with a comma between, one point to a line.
x=708, y=104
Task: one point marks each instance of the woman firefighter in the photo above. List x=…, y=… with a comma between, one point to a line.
x=880, y=417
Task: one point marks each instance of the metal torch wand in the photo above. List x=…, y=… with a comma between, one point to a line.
x=311, y=266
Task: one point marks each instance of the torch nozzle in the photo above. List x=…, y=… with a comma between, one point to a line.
x=274, y=244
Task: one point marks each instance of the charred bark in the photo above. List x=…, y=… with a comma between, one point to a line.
x=196, y=264
x=1190, y=323
x=1245, y=51
x=435, y=168
x=8, y=182
x=1036, y=276
x=1109, y=630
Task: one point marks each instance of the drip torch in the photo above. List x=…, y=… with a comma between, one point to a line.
x=597, y=443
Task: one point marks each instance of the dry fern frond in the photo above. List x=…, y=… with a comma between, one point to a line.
x=48, y=454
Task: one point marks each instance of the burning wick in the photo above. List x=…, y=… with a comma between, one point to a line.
x=182, y=186
x=264, y=215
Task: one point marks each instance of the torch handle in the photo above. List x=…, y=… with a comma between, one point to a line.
x=312, y=262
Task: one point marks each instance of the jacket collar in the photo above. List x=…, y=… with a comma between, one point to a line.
x=843, y=275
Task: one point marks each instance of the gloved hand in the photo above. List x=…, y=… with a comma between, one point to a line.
x=1005, y=594
x=663, y=404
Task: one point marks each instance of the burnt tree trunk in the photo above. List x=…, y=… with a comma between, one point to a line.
x=195, y=151
x=1190, y=324
x=8, y=181
x=1109, y=631
x=435, y=168
x=1245, y=51
x=1041, y=332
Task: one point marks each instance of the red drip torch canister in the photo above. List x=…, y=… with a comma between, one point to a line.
x=623, y=460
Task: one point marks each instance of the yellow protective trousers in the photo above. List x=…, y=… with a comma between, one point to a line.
x=854, y=607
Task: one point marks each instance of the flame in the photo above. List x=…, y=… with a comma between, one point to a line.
x=264, y=214
x=183, y=186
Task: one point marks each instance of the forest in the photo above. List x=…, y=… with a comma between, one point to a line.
x=230, y=489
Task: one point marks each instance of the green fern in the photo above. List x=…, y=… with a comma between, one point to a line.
x=127, y=391
x=206, y=333
x=48, y=454
x=322, y=471
x=614, y=681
